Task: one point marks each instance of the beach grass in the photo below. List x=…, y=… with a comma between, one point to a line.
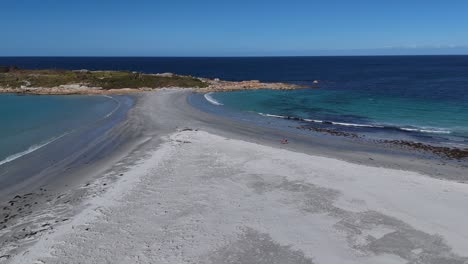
x=16, y=78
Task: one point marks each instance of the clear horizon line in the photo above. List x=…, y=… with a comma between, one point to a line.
x=224, y=56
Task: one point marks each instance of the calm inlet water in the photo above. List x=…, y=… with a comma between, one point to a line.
x=398, y=96
x=31, y=122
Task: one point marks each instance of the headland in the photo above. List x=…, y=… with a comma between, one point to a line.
x=67, y=82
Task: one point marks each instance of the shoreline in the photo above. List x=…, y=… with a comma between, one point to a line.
x=329, y=143
x=49, y=180
x=71, y=148
x=169, y=119
x=410, y=138
x=205, y=188
x=80, y=82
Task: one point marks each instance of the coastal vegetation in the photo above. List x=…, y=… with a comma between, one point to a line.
x=54, y=81
x=12, y=77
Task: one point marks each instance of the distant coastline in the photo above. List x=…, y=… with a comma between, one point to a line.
x=69, y=82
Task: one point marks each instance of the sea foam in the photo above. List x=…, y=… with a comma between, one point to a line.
x=426, y=130
x=408, y=129
x=30, y=149
x=210, y=99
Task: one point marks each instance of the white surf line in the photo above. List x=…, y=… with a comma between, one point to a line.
x=421, y=130
x=210, y=99
x=427, y=130
x=39, y=146
x=115, y=109
x=355, y=125
x=319, y=121
x=31, y=149
x=270, y=115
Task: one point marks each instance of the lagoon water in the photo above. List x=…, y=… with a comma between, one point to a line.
x=421, y=96
x=31, y=122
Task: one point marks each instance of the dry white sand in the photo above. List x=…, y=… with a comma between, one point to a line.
x=202, y=198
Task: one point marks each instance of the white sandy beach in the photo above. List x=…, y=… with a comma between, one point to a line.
x=203, y=198
x=194, y=187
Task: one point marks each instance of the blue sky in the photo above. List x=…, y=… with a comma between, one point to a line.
x=232, y=28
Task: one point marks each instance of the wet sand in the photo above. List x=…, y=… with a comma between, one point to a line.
x=43, y=188
x=202, y=188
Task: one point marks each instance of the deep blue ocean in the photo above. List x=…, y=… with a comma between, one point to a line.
x=423, y=97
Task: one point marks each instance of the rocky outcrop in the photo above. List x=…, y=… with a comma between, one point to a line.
x=452, y=153
x=216, y=85
x=4, y=69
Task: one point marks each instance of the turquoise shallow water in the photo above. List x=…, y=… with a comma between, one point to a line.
x=30, y=122
x=366, y=111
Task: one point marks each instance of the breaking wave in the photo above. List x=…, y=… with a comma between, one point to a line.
x=210, y=99
x=406, y=129
x=30, y=150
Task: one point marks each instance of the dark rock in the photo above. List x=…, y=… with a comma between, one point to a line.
x=329, y=131
x=452, y=153
x=5, y=69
